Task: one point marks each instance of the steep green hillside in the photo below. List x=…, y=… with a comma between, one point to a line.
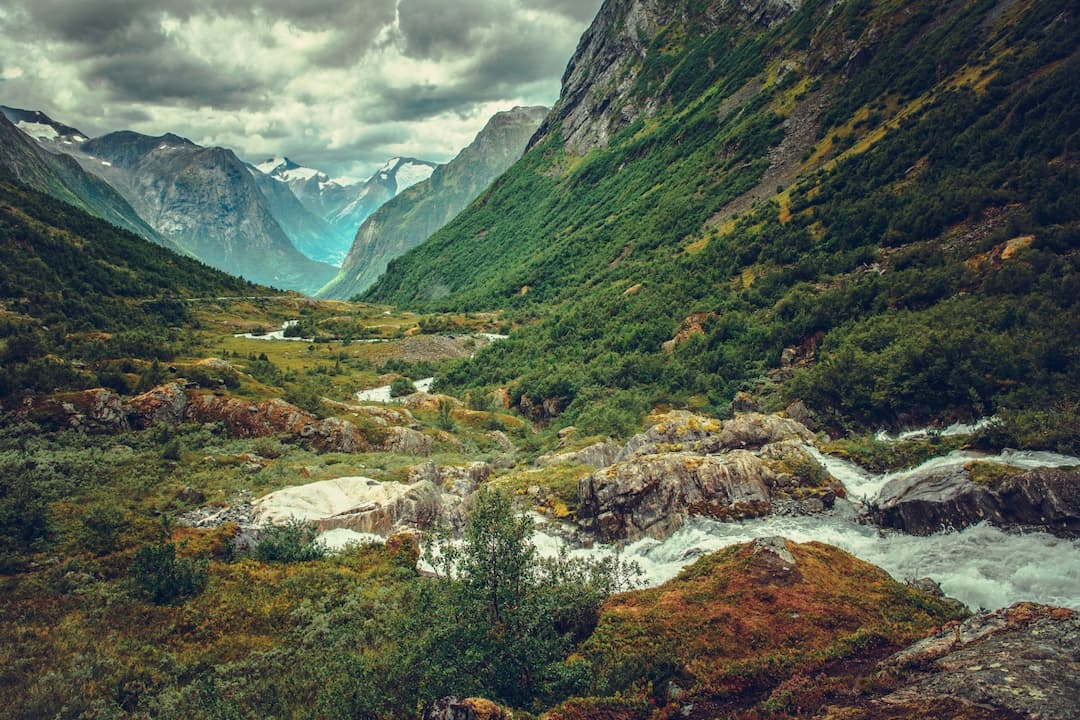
x=872, y=206
x=74, y=286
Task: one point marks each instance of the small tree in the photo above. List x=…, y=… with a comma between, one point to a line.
x=161, y=577
x=500, y=621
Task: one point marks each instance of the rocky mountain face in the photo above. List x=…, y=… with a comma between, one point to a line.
x=309, y=233
x=341, y=207
x=799, y=177
x=416, y=213
x=206, y=201
x=59, y=175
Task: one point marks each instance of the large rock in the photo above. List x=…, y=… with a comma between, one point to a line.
x=407, y=441
x=598, y=455
x=1019, y=662
x=355, y=503
x=653, y=494
x=163, y=404
x=926, y=502
x=681, y=431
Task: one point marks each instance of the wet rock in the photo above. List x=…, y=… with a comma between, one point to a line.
x=1022, y=661
x=922, y=503
x=653, y=494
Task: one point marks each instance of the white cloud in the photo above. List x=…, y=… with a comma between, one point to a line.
x=335, y=84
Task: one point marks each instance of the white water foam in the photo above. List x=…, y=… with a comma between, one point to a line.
x=982, y=566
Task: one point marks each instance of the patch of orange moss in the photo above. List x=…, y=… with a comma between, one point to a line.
x=742, y=620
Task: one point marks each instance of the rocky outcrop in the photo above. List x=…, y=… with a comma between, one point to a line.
x=652, y=494
x=960, y=495
x=683, y=431
x=460, y=480
x=598, y=455
x=686, y=465
x=164, y=404
x=1019, y=662
x=407, y=441
x=355, y=503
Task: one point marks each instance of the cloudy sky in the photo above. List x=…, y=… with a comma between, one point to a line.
x=341, y=85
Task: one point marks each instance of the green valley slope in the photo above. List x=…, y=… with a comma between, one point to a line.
x=873, y=207
x=72, y=285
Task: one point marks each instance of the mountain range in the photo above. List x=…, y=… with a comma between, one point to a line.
x=338, y=207
x=415, y=214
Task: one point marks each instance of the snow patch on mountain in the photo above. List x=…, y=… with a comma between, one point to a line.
x=410, y=173
x=40, y=131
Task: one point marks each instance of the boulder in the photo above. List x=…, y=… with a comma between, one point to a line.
x=653, y=494
x=460, y=480
x=922, y=503
x=164, y=404
x=355, y=503
x=1019, y=662
x=598, y=455
x=407, y=441
x=681, y=431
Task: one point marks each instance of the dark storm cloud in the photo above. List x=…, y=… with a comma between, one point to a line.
x=173, y=78
x=434, y=30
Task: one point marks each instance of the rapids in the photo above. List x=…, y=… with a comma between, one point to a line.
x=982, y=566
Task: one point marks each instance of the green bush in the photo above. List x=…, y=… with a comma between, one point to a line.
x=161, y=577
x=292, y=542
x=401, y=386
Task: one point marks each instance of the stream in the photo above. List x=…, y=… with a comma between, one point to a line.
x=982, y=565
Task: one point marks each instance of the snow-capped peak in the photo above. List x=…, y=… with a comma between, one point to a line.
x=285, y=170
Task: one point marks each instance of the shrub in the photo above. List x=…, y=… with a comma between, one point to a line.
x=161, y=577
x=401, y=386
x=292, y=542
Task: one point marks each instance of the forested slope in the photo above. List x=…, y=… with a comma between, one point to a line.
x=872, y=207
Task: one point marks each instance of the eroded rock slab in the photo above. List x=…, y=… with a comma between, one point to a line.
x=954, y=497
x=1019, y=662
x=355, y=503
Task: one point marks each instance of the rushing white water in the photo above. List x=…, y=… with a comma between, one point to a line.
x=951, y=430
x=982, y=566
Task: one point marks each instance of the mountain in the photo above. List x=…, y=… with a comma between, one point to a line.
x=344, y=206
x=414, y=215
x=870, y=207
x=59, y=175
x=206, y=201
x=309, y=233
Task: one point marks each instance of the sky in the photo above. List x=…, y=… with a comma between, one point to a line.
x=340, y=85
